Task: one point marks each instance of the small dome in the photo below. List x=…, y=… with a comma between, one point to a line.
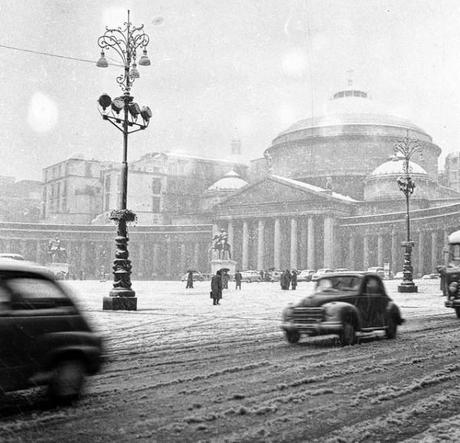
x=230, y=181
x=395, y=166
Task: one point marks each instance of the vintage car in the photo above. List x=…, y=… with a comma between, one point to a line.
x=44, y=338
x=450, y=274
x=343, y=304
x=321, y=272
x=305, y=275
x=251, y=276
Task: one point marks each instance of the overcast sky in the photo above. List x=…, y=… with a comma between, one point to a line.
x=219, y=69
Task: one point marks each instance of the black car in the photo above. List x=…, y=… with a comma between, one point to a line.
x=343, y=304
x=44, y=339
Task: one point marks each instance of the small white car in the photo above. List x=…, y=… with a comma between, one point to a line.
x=320, y=272
x=250, y=276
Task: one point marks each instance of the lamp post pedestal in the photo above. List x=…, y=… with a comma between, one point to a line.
x=121, y=297
x=407, y=285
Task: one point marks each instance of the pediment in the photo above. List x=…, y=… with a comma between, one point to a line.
x=273, y=191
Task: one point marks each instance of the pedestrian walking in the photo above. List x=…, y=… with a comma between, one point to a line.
x=238, y=278
x=216, y=288
x=294, y=279
x=285, y=280
x=189, y=280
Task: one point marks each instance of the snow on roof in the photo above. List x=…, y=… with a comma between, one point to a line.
x=395, y=166
x=231, y=180
x=454, y=237
x=314, y=188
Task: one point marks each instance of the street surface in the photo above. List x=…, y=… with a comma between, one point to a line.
x=182, y=370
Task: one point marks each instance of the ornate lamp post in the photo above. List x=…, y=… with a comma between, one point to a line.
x=124, y=41
x=405, y=149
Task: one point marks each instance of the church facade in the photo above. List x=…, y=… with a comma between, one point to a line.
x=324, y=194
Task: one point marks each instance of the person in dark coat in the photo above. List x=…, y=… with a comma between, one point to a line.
x=294, y=279
x=285, y=279
x=238, y=278
x=189, y=280
x=216, y=288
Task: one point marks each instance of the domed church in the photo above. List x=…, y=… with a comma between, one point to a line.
x=325, y=194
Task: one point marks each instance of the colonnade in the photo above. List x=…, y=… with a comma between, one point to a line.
x=293, y=242
x=361, y=251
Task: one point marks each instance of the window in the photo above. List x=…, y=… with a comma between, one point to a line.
x=35, y=293
x=156, y=204
x=156, y=185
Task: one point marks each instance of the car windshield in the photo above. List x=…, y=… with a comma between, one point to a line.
x=339, y=283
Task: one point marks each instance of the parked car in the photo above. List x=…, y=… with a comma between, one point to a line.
x=11, y=256
x=321, y=272
x=197, y=276
x=378, y=270
x=274, y=275
x=343, y=304
x=250, y=276
x=44, y=338
x=305, y=275
x=430, y=277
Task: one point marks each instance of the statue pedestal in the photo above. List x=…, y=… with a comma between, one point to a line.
x=223, y=263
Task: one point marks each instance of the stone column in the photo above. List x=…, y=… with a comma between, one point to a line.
x=328, y=242
x=420, y=252
x=141, y=258
x=277, y=244
x=434, y=250
x=311, y=244
x=303, y=244
x=196, y=255
x=380, y=250
x=293, y=256
x=230, y=235
x=351, y=251
x=155, y=259
x=365, y=252
x=245, y=248
x=260, y=244
x=83, y=252
x=394, y=252
x=168, y=256
x=182, y=258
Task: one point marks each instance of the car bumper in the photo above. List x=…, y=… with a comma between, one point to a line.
x=452, y=303
x=313, y=328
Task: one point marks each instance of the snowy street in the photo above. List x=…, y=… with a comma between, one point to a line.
x=180, y=369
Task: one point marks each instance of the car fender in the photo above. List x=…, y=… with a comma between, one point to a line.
x=393, y=310
x=339, y=310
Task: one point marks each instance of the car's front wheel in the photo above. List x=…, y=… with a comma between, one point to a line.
x=67, y=380
x=392, y=328
x=347, y=336
x=292, y=336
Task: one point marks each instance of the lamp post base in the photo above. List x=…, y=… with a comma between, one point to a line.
x=120, y=303
x=407, y=287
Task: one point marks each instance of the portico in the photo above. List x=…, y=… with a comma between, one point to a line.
x=283, y=224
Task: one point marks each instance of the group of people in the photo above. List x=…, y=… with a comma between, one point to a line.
x=288, y=279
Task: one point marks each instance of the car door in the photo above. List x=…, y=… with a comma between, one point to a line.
x=375, y=302
x=12, y=360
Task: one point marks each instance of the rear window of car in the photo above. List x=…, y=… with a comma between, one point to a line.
x=345, y=283
x=34, y=293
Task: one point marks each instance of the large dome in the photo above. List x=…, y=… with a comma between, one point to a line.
x=353, y=107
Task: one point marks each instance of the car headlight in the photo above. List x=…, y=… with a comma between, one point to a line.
x=453, y=287
x=286, y=314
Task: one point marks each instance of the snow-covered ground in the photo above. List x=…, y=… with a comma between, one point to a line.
x=181, y=369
